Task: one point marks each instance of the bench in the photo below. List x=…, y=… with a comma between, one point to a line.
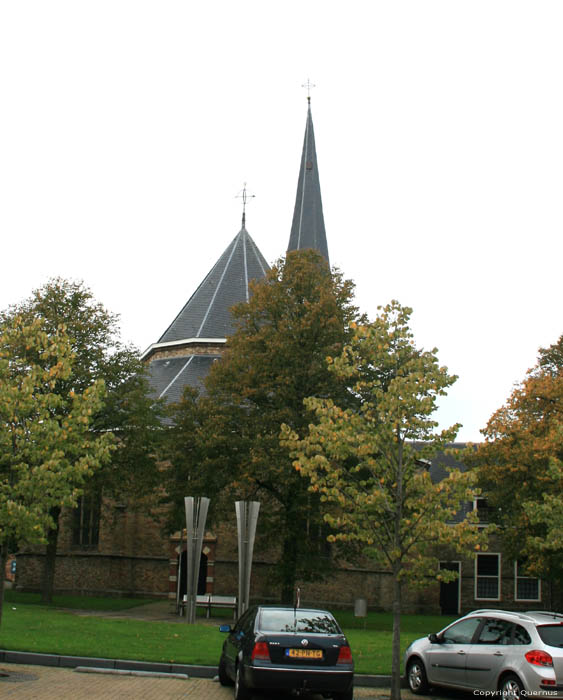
x=209, y=601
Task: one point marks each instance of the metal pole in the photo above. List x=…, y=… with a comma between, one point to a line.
x=179, y=572
x=196, y=515
x=247, y=518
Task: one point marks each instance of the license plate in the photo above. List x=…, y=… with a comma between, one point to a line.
x=304, y=653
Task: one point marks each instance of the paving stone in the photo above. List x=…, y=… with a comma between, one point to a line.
x=51, y=683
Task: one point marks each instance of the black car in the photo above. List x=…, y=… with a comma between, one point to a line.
x=287, y=648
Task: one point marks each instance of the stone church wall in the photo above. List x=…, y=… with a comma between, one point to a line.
x=131, y=558
x=135, y=557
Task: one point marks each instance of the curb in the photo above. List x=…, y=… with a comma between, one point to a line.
x=121, y=672
x=99, y=665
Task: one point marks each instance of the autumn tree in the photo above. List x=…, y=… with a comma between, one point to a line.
x=128, y=412
x=520, y=467
x=47, y=448
x=371, y=460
x=226, y=444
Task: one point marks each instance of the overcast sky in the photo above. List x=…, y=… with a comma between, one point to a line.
x=127, y=128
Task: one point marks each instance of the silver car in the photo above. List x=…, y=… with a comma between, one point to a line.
x=494, y=651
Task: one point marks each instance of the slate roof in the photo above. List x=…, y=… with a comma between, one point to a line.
x=205, y=317
x=308, y=227
x=207, y=313
x=446, y=460
x=439, y=470
x=169, y=375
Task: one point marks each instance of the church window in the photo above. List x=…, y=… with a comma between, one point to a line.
x=86, y=521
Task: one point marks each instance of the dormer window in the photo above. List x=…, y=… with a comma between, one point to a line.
x=483, y=510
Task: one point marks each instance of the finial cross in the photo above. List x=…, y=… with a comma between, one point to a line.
x=244, y=196
x=309, y=85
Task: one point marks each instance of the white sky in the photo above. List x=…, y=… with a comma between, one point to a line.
x=128, y=127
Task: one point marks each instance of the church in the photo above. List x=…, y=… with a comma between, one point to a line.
x=184, y=353
x=121, y=552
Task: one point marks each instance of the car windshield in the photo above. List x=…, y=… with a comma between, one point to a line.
x=312, y=621
x=552, y=635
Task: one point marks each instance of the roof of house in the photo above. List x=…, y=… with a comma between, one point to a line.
x=308, y=226
x=446, y=460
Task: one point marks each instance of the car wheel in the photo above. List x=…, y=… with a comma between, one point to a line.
x=511, y=687
x=348, y=695
x=416, y=677
x=241, y=691
x=223, y=677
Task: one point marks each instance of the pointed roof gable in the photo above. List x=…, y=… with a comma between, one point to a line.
x=207, y=313
x=308, y=227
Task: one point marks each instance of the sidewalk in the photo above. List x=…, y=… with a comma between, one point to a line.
x=47, y=683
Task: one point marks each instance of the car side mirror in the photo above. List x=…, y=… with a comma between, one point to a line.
x=434, y=639
x=225, y=628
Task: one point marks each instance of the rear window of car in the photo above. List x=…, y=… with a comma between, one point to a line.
x=552, y=635
x=311, y=621
x=521, y=636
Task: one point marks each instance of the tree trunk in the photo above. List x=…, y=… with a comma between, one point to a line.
x=3, y=558
x=397, y=583
x=48, y=577
x=288, y=561
x=396, y=644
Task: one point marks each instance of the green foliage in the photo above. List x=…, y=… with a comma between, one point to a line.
x=226, y=445
x=371, y=459
x=521, y=463
x=47, y=449
x=128, y=411
x=128, y=415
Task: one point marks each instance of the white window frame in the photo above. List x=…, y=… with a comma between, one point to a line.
x=498, y=577
x=516, y=579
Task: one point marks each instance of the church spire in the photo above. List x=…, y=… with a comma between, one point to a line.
x=308, y=228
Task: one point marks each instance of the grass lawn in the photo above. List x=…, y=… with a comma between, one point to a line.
x=29, y=626
x=76, y=602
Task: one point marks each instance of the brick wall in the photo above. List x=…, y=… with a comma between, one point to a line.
x=135, y=558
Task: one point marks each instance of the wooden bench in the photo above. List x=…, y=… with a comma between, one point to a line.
x=209, y=601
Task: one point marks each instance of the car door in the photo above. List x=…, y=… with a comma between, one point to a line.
x=446, y=658
x=489, y=652
x=237, y=637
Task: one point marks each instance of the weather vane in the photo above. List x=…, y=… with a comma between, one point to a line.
x=309, y=85
x=244, y=196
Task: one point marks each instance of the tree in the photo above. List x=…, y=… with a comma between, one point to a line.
x=128, y=411
x=226, y=444
x=520, y=463
x=370, y=461
x=47, y=448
